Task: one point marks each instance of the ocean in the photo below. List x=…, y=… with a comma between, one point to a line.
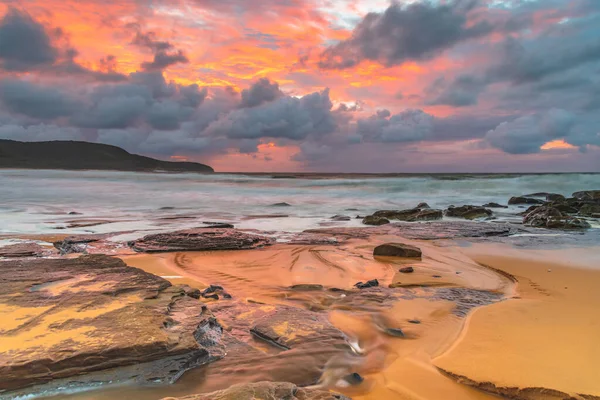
x=77, y=202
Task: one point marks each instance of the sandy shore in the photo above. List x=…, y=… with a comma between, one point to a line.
x=477, y=320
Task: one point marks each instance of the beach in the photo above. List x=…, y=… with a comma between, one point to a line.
x=487, y=309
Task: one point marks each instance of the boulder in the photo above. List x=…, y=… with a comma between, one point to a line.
x=82, y=317
x=368, y=284
x=555, y=197
x=341, y=218
x=587, y=195
x=422, y=205
x=283, y=204
x=265, y=390
x=199, y=239
x=587, y=210
x=494, y=205
x=468, y=212
x=412, y=215
x=374, y=220
x=397, y=250
x=407, y=270
x=75, y=244
x=552, y=218
x=524, y=200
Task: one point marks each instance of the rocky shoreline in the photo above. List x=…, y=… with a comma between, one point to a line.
x=81, y=318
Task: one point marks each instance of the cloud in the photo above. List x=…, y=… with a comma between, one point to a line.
x=24, y=43
x=528, y=133
x=165, y=53
x=407, y=126
x=461, y=92
x=35, y=101
x=418, y=31
x=287, y=117
x=163, y=59
x=260, y=92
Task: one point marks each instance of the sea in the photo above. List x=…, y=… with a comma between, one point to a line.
x=84, y=202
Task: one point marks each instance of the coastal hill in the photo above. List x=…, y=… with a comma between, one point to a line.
x=84, y=155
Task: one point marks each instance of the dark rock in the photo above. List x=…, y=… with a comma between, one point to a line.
x=194, y=293
x=307, y=287
x=267, y=391
x=19, y=250
x=524, y=200
x=213, y=292
x=397, y=250
x=494, y=205
x=414, y=321
x=395, y=332
x=412, y=215
x=368, y=284
x=75, y=244
x=134, y=318
x=74, y=213
x=352, y=209
x=551, y=218
x=468, y=212
x=341, y=218
x=587, y=195
x=564, y=208
x=199, y=239
x=167, y=208
x=283, y=204
x=407, y=270
x=374, y=220
x=354, y=379
x=555, y=197
x=423, y=205
x=436, y=276
x=217, y=225
x=588, y=210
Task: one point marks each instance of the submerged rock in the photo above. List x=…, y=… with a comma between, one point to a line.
x=341, y=218
x=282, y=204
x=412, y=215
x=494, y=205
x=397, y=250
x=555, y=197
x=587, y=195
x=590, y=209
x=199, y=239
x=524, y=200
x=468, y=212
x=94, y=313
x=373, y=220
x=266, y=391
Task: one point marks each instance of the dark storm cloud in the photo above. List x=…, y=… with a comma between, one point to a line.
x=286, y=117
x=24, y=43
x=528, y=133
x=461, y=92
x=163, y=59
x=417, y=31
x=164, y=53
x=35, y=101
x=260, y=92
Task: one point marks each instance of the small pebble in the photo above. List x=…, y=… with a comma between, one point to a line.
x=414, y=321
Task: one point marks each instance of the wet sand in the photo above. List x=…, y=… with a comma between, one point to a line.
x=485, y=313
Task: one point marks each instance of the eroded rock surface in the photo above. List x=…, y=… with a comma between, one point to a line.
x=375, y=220
x=265, y=391
x=412, y=215
x=468, y=212
x=199, y=239
x=552, y=218
x=65, y=318
x=20, y=250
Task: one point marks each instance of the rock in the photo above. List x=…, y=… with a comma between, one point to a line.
x=468, y=212
x=407, y=270
x=436, y=276
x=217, y=225
x=555, y=197
x=423, y=205
x=19, y=250
x=397, y=250
x=75, y=244
x=74, y=213
x=354, y=378
x=283, y=204
x=414, y=321
x=588, y=210
x=587, y=195
x=564, y=208
x=373, y=220
x=494, y=205
x=199, y=239
x=166, y=208
x=341, y=218
x=214, y=291
x=92, y=314
x=551, y=218
x=194, y=293
x=266, y=391
x=395, y=332
x=412, y=215
x=524, y=200
x=307, y=287
x=368, y=284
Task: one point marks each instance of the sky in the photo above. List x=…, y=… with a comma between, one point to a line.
x=311, y=85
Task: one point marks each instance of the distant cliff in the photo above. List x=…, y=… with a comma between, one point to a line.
x=83, y=155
